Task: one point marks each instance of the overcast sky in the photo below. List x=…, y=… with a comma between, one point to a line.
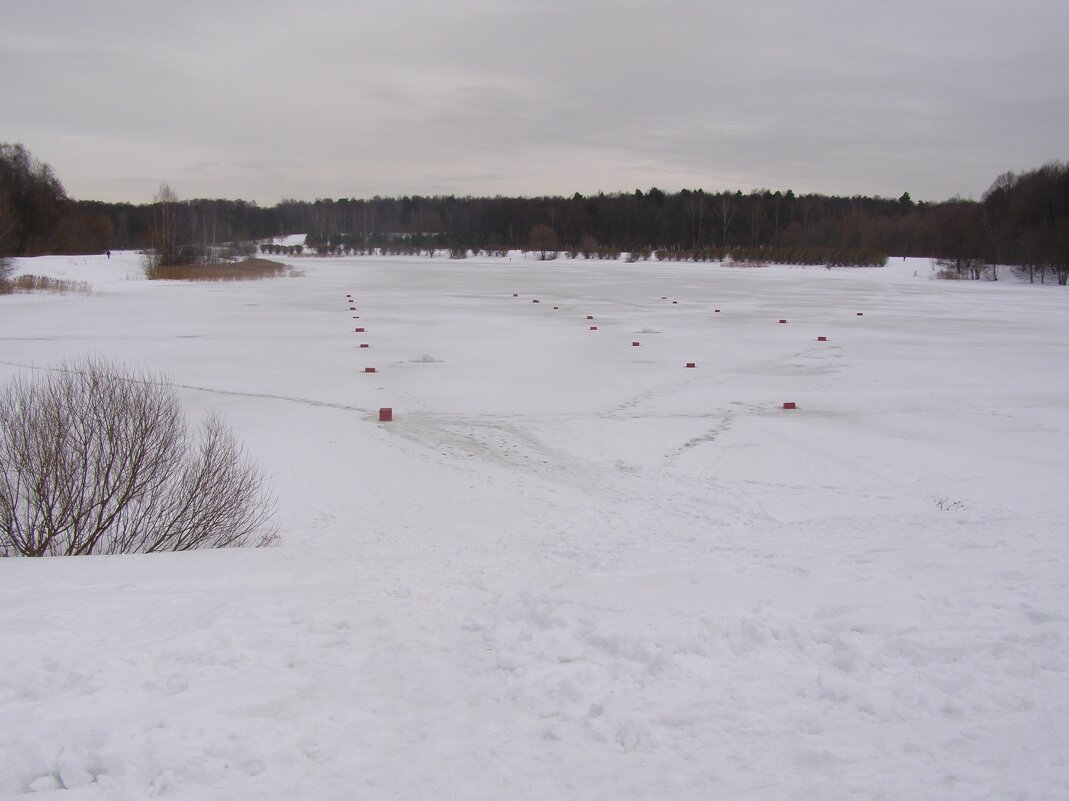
x=263, y=99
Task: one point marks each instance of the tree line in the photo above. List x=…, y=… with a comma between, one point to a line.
x=1022, y=221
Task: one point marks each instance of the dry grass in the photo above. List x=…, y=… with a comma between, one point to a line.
x=42, y=283
x=248, y=270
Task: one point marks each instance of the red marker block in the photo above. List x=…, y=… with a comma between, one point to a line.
x=593, y=328
x=822, y=339
x=782, y=322
x=590, y=317
x=634, y=344
x=359, y=330
x=385, y=414
x=716, y=311
x=675, y=302
x=691, y=364
x=369, y=370
x=861, y=314
x=789, y=405
x=364, y=345
x=534, y=301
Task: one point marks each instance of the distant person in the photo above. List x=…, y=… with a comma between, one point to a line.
x=109, y=253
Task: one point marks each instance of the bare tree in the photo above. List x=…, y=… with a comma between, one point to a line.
x=694, y=206
x=726, y=210
x=96, y=458
x=8, y=223
x=544, y=240
x=164, y=230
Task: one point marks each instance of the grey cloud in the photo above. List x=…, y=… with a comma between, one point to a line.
x=264, y=100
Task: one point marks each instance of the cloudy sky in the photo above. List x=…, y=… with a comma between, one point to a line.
x=263, y=99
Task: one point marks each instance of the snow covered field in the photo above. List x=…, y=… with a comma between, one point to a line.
x=571, y=568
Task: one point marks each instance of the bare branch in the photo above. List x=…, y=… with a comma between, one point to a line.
x=97, y=458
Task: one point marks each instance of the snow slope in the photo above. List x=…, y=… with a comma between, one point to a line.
x=571, y=567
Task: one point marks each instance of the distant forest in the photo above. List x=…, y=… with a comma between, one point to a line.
x=1021, y=221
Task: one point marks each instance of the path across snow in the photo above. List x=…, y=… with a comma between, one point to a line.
x=571, y=568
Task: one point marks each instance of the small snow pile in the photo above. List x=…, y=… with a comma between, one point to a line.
x=426, y=358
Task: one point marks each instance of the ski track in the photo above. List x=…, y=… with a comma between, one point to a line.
x=230, y=392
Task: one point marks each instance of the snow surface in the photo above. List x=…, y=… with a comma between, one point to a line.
x=571, y=568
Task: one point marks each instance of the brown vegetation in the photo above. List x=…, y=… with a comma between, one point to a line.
x=248, y=270
x=43, y=283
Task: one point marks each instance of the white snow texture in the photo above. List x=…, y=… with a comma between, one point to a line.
x=571, y=567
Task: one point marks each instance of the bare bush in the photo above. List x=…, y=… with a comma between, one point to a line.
x=98, y=459
x=55, y=286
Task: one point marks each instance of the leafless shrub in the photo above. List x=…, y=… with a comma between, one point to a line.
x=56, y=286
x=98, y=459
